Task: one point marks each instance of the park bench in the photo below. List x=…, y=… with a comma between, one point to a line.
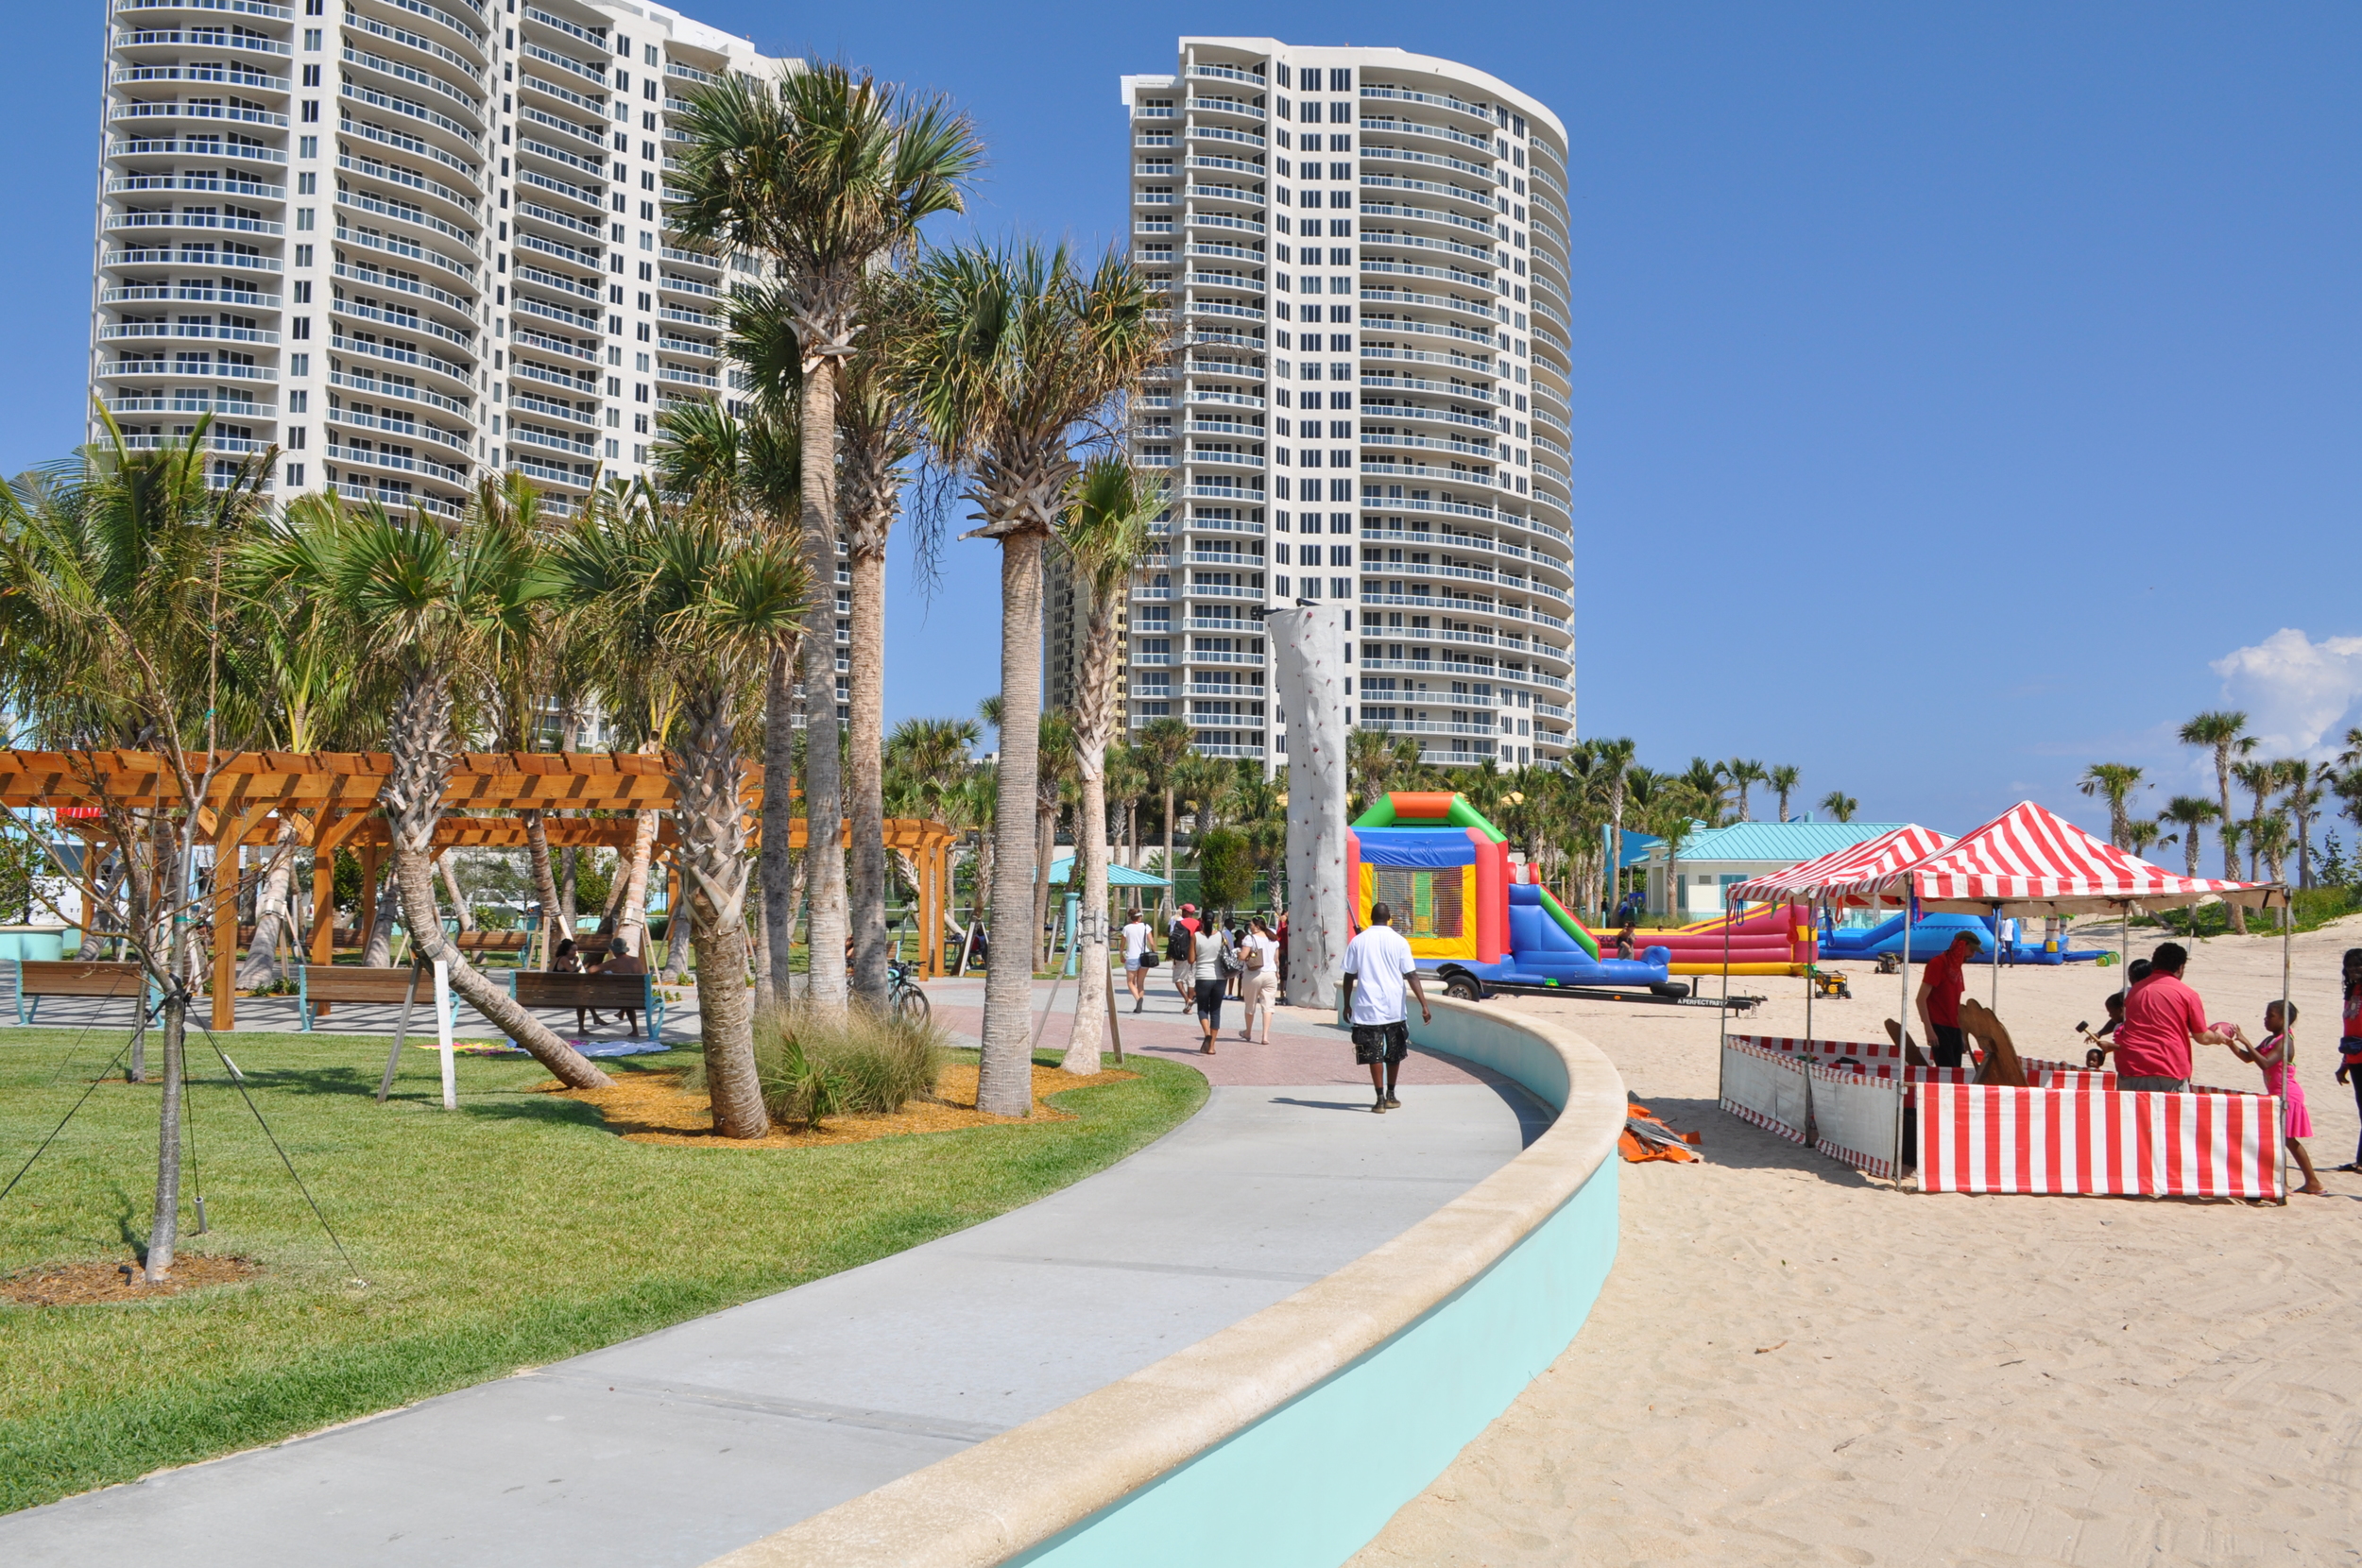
x=538, y=988
x=351, y=983
x=36, y=979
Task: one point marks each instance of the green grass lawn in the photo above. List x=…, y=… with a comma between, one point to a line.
x=509, y=1234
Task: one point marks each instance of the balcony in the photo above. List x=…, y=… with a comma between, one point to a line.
x=185, y=330
x=527, y=337
x=196, y=112
x=523, y=401
x=1204, y=656
x=554, y=440
x=401, y=390
x=1225, y=105
x=195, y=220
x=548, y=473
x=401, y=355
x=365, y=458
x=200, y=292
x=407, y=428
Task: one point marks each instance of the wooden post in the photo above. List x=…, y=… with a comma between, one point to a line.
x=324, y=944
x=225, y=920
x=929, y=939
x=371, y=854
x=89, y=897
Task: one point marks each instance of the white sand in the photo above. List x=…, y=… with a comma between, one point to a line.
x=1956, y=1380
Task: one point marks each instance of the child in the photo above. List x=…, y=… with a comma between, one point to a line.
x=2349, y=1046
x=2275, y=1054
x=2103, y=1038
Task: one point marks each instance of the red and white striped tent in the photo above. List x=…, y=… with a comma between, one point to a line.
x=1889, y=851
x=2028, y=859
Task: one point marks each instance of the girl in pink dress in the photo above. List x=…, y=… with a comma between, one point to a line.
x=2275, y=1054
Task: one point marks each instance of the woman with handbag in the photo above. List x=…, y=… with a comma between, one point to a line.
x=1259, y=959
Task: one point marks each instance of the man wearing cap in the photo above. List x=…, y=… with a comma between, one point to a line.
x=1180, y=951
x=1940, y=987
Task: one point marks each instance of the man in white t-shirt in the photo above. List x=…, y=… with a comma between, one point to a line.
x=1140, y=939
x=1377, y=966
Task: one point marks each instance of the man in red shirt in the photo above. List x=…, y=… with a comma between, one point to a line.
x=1940, y=987
x=2162, y=1018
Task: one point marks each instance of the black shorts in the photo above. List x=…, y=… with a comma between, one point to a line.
x=1209, y=1001
x=1951, y=1048
x=1376, y=1043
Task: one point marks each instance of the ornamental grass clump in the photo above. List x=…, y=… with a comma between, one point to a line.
x=814, y=1065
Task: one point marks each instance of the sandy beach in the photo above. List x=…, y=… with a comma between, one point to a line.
x=1794, y=1364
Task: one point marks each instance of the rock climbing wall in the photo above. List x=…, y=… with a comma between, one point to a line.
x=1308, y=680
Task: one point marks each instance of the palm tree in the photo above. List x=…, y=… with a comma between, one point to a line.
x=1784, y=778
x=2269, y=839
x=929, y=758
x=2222, y=732
x=1012, y=352
x=2259, y=779
x=828, y=174
x=1839, y=806
x=1742, y=772
x=877, y=441
x=1057, y=768
x=1162, y=745
x=676, y=596
x=1706, y=784
x=1127, y=781
x=2115, y=781
x=2191, y=813
x=2306, y=785
x=1671, y=815
x=2140, y=833
x=1615, y=770
x=112, y=617
x=432, y=610
x=1105, y=535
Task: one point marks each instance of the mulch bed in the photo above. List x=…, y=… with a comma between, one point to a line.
x=92, y=1283
x=652, y=1107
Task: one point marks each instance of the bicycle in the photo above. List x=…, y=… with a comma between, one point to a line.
x=903, y=994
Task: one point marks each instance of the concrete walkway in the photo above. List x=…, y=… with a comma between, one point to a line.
x=672, y=1448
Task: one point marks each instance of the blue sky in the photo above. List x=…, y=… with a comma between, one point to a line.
x=1964, y=394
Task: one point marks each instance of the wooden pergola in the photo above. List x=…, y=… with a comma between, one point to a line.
x=327, y=800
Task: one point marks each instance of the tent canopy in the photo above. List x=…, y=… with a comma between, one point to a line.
x=1889, y=851
x=2034, y=859
x=1062, y=870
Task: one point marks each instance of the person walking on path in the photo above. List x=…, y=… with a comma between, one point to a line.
x=1206, y=953
x=1259, y=976
x=1179, y=940
x=1377, y=966
x=2275, y=1054
x=1140, y=951
x=2350, y=1041
x=1940, y=987
x=2162, y=1018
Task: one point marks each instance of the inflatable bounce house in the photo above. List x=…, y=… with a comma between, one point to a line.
x=1934, y=933
x=1444, y=871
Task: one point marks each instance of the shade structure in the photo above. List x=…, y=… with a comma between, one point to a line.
x=1061, y=871
x=1812, y=879
x=2031, y=859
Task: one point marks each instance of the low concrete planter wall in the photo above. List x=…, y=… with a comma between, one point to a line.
x=1291, y=1438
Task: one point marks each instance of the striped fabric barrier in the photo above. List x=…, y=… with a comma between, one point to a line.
x=2047, y=1077
x=1857, y=1118
x=1981, y=1137
x=1767, y=1089
x=1860, y=1050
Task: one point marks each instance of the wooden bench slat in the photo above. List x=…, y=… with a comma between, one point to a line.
x=74, y=978
x=346, y=982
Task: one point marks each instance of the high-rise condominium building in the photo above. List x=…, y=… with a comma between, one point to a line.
x=1364, y=253
x=407, y=241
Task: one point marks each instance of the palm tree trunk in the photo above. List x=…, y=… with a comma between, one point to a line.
x=419, y=736
x=1005, y=1078
x=2229, y=845
x=567, y=903
x=1090, y=854
x=446, y=863
x=544, y=879
x=776, y=869
x=271, y=912
x=1045, y=851
x=634, y=922
x=713, y=864
x=1171, y=883
x=866, y=826
x=379, y=951
x=824, y=784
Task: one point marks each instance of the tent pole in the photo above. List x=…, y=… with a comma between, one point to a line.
x=1809, y=986
x=1928, y=1046
x=1725, y=1008
x=2287, y=1029
x=1996, y=960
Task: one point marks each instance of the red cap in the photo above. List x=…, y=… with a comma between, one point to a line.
x=1188, y=909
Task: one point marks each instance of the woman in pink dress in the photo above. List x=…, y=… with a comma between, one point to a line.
x=2274, y=1055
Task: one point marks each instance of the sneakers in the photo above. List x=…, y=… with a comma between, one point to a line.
x=1393, y=1104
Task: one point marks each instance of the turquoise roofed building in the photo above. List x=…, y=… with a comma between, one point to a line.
x=1713, y=858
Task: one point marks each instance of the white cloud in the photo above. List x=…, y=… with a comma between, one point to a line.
x=2300, y=695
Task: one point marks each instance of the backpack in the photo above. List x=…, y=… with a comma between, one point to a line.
x=1178, y=944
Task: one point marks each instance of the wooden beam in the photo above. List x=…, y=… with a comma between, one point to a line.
x=371, y=857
